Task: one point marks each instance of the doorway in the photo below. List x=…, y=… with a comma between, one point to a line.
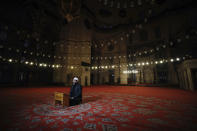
x=194, y=78
x=131, y=78
x=111, y=77
x=86, y=81
x=92, y=79
x=162, y=77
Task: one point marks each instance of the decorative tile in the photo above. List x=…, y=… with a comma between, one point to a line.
x=75, y=123
x=126, y=113
x=90, y=126
x=131, y=116
x=109, y=127
x=35, y=119
x=106, y=120
x=50, y=110
x=114, y=114
x=78, y=118
x=92, y=119
x=122, y=119
x=89, y=114
x=116, y=110
x=119, y=104
x=54, y=125
x=160, y=107
x=79, y=129
x=157, y=121
x=95, y=111
x=71, y=116
x=103, y=114
x=45, y=118
x=132, y=102
x=58, y=118
x=141, y=105
x=124, y=125
x=50, y=121
x=64, y=120
x=67, y=129
x=124, y=108
x=144, y=111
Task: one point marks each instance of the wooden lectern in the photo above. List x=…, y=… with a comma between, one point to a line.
x=61, y=98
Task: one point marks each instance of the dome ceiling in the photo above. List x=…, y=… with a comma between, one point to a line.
x=108, y=15
x=105, y=16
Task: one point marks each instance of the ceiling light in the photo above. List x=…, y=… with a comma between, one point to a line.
x=10, y=60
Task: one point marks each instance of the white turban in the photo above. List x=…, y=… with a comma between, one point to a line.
x=75, y=79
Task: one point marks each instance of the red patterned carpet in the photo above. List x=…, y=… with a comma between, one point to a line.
x=104, y=108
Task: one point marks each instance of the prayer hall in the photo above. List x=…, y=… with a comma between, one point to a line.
x=98, y=65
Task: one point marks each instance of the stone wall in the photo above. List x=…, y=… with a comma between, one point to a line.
x=186, y=75
x=76, y=48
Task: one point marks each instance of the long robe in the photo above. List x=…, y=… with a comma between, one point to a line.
x=76, y=93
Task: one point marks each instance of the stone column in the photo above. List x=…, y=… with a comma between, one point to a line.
x=190, y=81
x=172, y=75
x=186, y=80
x=123, y=76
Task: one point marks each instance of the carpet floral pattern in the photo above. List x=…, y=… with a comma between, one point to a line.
x=109, y=112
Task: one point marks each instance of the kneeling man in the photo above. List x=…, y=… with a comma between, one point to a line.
x=75, y=93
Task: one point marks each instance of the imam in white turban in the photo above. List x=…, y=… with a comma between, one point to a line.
x=75, y=79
